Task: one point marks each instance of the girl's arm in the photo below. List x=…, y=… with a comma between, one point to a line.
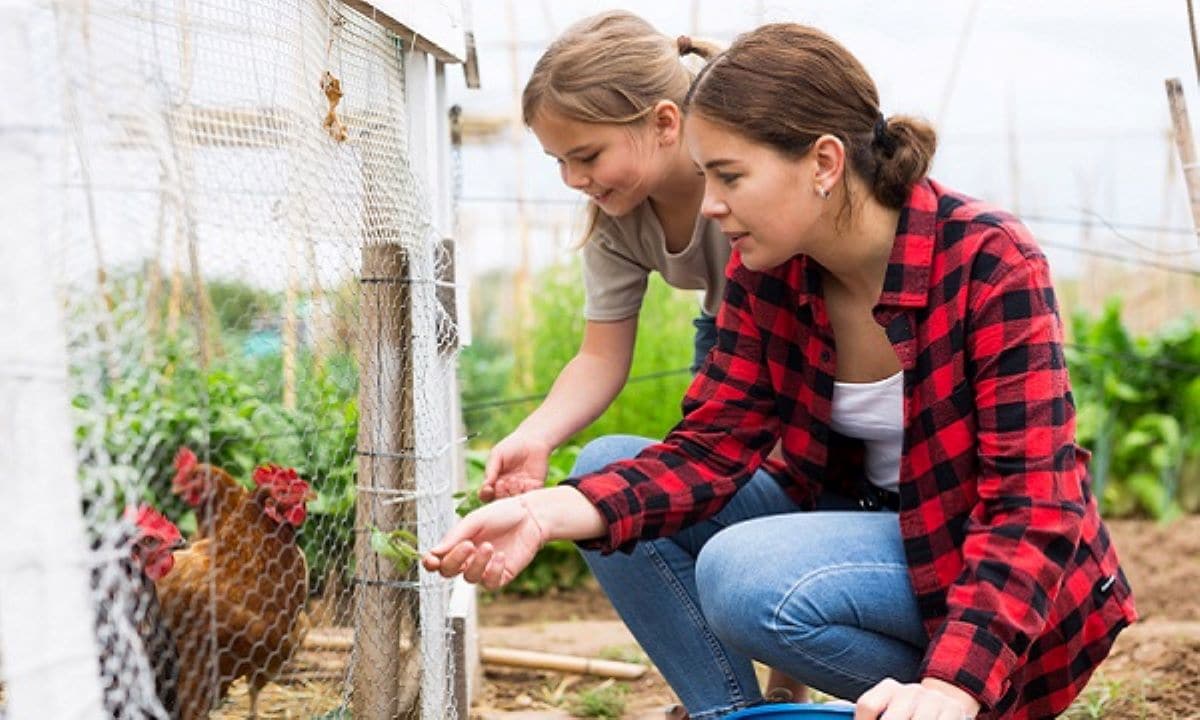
x=584, y=389
x=587, y=384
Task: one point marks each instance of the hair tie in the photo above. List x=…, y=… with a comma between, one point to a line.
x=883, y=139
x=684, y=43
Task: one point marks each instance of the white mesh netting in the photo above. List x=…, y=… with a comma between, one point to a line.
x=247, y=267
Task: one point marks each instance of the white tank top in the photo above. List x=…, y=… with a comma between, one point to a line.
x=874, y=413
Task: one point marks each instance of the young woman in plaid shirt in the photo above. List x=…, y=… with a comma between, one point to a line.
x=974, y=577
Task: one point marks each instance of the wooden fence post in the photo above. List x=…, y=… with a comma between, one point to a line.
x=386, y=600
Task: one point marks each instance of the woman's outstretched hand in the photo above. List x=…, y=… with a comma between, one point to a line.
x=493, y=544
x=930, y=699
x=490, y=545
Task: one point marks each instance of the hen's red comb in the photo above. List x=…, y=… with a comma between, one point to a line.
x=274, y=475
x=185, y=460
x=152, y=522
x=287, y=491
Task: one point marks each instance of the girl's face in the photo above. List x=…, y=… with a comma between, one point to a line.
x=615, y=165
x=767, y=204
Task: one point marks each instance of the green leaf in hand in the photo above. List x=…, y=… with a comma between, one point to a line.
x=468, y=500
x=397, y=546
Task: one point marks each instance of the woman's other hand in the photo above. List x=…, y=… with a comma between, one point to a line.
x=930, y=699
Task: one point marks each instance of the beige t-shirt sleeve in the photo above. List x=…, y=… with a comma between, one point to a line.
x=614, y=284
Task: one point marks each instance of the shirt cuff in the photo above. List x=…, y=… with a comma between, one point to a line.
x=971, y=658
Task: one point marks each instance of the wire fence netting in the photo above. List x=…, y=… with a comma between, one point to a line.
x=260, y=342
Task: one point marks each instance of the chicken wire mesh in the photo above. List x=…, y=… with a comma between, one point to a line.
x=261, y=344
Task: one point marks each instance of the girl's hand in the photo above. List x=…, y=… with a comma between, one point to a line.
x=490, y=545
x=516, y=465
x=929, y=700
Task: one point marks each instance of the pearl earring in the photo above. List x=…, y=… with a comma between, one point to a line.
x=823, y=193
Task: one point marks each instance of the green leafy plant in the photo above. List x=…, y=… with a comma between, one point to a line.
x=1138, y=402
x=230, y=412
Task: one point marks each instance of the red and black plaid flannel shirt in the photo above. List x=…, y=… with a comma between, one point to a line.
x=1016, y=579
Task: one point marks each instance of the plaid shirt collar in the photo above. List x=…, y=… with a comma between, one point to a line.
x=906, y=284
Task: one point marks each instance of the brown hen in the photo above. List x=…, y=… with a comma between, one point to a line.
x=235, y=600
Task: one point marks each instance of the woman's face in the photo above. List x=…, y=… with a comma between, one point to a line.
x=767, y=204
x=614, y=165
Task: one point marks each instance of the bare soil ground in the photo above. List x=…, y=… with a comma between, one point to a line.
x=1152, y=673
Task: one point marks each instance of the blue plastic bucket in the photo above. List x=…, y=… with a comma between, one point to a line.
x=794, y=711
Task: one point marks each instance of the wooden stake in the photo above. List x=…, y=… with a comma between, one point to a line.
x=289, y=334
x=1192, y=31
x=1185, y=145
x=562, y=663
x=175, y=303
x=317, y=332
x=331, y=641
x=1014, y=154
x=154, y=280
x=523, y=352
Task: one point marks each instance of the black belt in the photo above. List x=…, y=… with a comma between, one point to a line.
x=873, y=497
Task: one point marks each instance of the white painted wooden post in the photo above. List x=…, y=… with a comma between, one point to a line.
x=47, y=641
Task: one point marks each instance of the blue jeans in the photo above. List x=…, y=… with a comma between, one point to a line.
x=823, y=596
x=703, y=339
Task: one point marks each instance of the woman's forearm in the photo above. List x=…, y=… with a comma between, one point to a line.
x=564, y=513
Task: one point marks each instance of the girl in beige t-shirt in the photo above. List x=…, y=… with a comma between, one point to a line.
x=603, y=100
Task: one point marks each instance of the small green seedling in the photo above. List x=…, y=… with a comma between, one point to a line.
x=398, y=546
x=468, y=500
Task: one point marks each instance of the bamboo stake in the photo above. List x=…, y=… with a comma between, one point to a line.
x=105, y=325
x=175, y=303
x=320, y=343
x=1164, y=218
x=329, y=639
x=1185, y=146
x=1014, y=154
x=181, y=132
x=511, y=657
x=1192, y=32
x=290, y=297
x=562, y=663
x=521, y=280
x=964, y=41
x=154, y=279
